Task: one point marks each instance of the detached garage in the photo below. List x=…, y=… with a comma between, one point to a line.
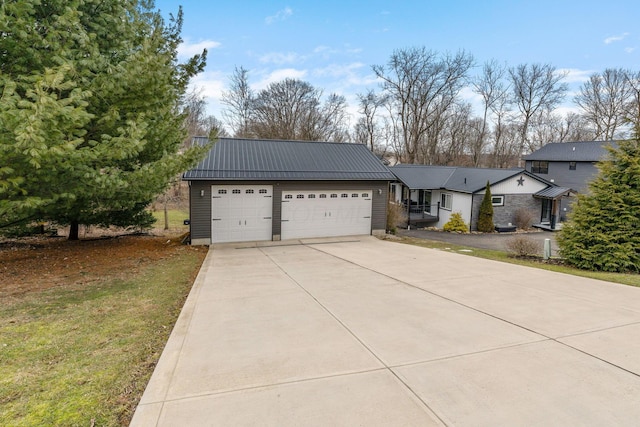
x=256, y=190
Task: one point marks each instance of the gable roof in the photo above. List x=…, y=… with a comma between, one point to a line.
x=464, y=180
x=260, y=159
x=591, y=151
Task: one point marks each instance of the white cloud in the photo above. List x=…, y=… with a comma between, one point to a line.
x=187, y=49
x=281, y=15
x=210, y=85
x=629, y=49
x=281, y=58
x=575, y=75
x=278, y=75
x=617, y=38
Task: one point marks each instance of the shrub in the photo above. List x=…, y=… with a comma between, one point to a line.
x=523, y=246
x=456, y=223
x=395, y=215
x=523, y=218
x=485, y=218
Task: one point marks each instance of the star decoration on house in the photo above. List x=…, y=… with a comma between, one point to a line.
x=521, y=181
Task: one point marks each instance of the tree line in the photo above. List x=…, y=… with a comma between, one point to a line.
x=418, y=115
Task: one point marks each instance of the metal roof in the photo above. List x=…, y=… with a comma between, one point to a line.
x=553, y=192
x=423, y=177
x=465, y=180
x=254, y=159
x=591, y=151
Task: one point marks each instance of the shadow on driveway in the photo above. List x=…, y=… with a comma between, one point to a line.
x=493, y=241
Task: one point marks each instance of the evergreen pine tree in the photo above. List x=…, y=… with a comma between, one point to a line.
x=89, y=95
x=603, y=231
x=485, y=218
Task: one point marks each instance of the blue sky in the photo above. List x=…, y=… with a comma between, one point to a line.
x=332, y=44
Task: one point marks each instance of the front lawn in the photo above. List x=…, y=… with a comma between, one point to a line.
x=83, y=324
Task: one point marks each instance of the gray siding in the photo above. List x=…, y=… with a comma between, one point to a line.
x=560, y=174
x=506, y=214
x=200, y=210
x=201, y=206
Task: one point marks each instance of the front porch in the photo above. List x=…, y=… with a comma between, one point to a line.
x=419, y=216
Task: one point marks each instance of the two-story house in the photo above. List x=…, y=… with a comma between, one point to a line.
x=568, y=164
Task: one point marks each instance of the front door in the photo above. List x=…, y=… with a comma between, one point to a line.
x=547, y=205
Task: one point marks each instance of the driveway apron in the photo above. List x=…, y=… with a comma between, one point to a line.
x=359, y=331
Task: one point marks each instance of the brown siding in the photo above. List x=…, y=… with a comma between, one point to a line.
x=201, y=206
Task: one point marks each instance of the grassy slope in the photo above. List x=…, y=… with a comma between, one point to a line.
x=625, y=279
x=83, y=356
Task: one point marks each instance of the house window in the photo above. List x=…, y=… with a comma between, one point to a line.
x=540, y=166
x=572, y=166
x=446, y=201
x=497, y=200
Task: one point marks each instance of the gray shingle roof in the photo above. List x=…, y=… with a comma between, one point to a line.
x=591, y=151
x=252, y=159
x=466, y=180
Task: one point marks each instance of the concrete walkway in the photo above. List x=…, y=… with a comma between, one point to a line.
x=375, y=333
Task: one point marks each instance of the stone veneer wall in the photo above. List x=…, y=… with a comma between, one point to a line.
x=506, y=214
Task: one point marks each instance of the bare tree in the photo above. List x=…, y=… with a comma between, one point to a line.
x=457, y=133
x=536, y=88
x=197, y=121
x=367, y=129
x=603, y=100
x=493, y=89
x=420, y=85
x=239, y=100
x=632, y=113
x=292, y=109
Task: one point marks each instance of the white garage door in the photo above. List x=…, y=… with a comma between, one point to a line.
x=241, y=213
x=325, y=213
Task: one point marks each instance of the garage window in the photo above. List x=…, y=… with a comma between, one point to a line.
x=300, y=196
x=334, y=196
x=311, y=196
x=249, y=191
x=365, y=194
x=354, y=195
x=263, y=191
x=323, y=196
x=222, y=191
x=288, y=196
x=344, y=195
x=236, y=191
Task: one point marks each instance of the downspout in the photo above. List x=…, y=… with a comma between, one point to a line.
x=471, y=215
x=408, y=208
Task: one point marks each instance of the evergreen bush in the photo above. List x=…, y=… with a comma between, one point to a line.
x=603, y=231
x=456, y=223
x=485, y=218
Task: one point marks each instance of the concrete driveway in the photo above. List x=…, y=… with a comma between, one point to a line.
x=375, y=333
